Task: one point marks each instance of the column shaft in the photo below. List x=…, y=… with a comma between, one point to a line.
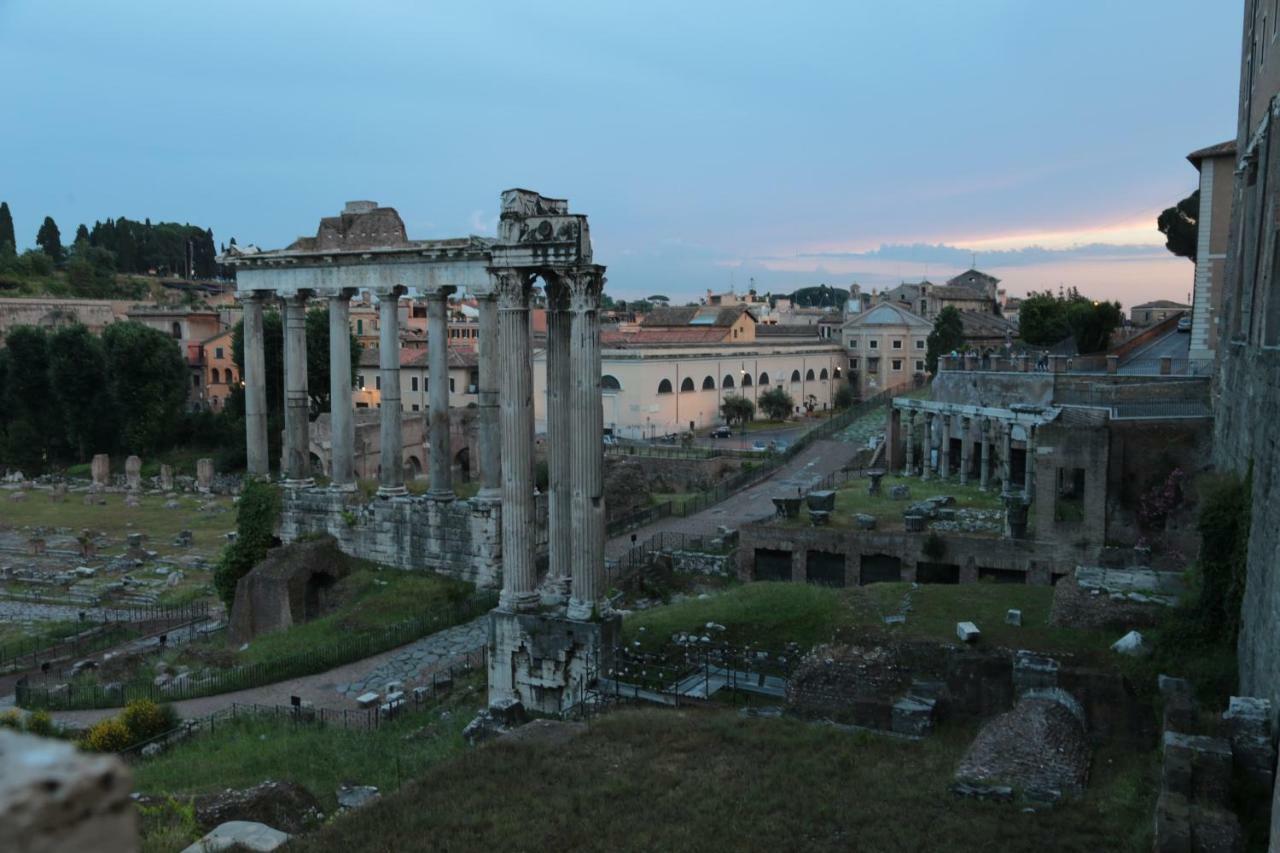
x=519, y=573
x=984, y=476
x=911, y=444
x=440, y=451
x=487, y=392
x=255, y=389
x=1006, y=457
x=944, y=456
x=297, y=404
x=559, y=447
x=966, y=452
x=926, y=447
x=391, y=450
x=342, y=434
x=586, y=431
x=1029, y=468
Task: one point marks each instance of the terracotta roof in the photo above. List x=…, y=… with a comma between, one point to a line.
x=660, y=336
x=986, y=325
x=784, y=330
x=695, y=315
x=1222, y=149
x=458, y=357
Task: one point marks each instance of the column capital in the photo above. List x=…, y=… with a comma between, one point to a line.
x=346, y=294
x=439, y=291
x=395, y=291
x=256, y=297
x=511, y=286
x=585, y=285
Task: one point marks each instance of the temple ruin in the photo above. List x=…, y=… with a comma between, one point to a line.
x=543, y=635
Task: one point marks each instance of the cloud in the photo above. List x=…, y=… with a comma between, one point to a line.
x=964, y=257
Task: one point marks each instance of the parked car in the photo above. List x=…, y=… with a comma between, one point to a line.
x=1184, y=323
x=759, y=446
x=722, y=432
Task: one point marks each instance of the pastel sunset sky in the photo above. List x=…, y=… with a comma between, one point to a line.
x=711, y=143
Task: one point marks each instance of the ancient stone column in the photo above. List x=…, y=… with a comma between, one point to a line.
x=1006, y=455
x=490, y=444
x=586, y=431
x=926, y=447
x=1030, y=466
x=519, y=573
x=391, y=450
x=342, y=435
x=966, y=451
x=911, y=444
x=297, y=403
x=944, y=455
x=255, y=387
x=984, y=476
x=440, y=453
x=561, y=524
x=892, y=437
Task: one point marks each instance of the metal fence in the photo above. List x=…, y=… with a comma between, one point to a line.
x=113, y=625
x=73, y=695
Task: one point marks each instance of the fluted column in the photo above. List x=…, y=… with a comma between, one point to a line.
x=984, y=476
x=254, y=374
x=586, y=430
x=440, y=452
x=966, y=451
x=1006, y=456
x=490, y=444
x=391, y=442
x=297, y=404
x=560, y=522
x=519, y=572
x=911, y=444
x=342, y=435
x=1028, y=474
x=926, y=447
x=944, y=455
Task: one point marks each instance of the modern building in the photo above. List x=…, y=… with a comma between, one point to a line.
x=1216, y=165
x=885, y=348
x=1150, y=313
x=415, y=379
x=221, y=373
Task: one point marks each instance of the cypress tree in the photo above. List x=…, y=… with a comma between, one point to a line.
x=7, y=239
x=50, y=240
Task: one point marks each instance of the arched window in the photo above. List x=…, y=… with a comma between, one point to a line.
x=213, y=376
x=687, y=385
x=764, y=379
x=610, y=383
x=835, y=372
x=176, y=330
x=709, y=384
x=746, y=380
x=823, y=375
x=231, y=377
x=809, y=375
x=795, y=376
x=728, y=381
x=664, y=387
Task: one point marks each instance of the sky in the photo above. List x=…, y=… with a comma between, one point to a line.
x=712, y=144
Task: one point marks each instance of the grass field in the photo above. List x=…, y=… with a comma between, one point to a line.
x=852, y=498
x=713, y=781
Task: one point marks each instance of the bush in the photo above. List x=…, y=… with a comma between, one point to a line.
x=40, y=723
x=146, y=719
x=109, y=735
x=11, y=719
x=171, y=825
x=255, y=533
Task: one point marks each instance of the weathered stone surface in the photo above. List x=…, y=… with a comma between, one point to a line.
x=368, y=700
x=284, y=805
x=1013, y=617
x=1131, y=644
x=286, y=588
x=823, y=500
x=900, y=493
x=54, y=798
x=100, y=470
x=1096, y=597
x=356, y=796
x=1248, y=721
x=133, y=473
x=864, y=521
x=1197, y=767
x=240, y=834
x=204, y=474
x=166, y=478
x=967, y=632
x=1185, y=827
x=543, y=661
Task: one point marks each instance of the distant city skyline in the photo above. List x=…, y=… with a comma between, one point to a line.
x=709, y=146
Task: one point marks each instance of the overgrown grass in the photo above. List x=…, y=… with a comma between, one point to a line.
x=852, y=498
x=712, y=781
x=251, y=750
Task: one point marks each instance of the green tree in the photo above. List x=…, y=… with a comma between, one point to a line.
x=91, y=271
x=78, y=378
x=777, y=404
x=737, y=409
x=1180, y=227
x=256, y=515
x=29, y=410
x=149, y=380
x=844, y=397
x=1042, y=319
x=318, y=388
x=50, y=240
x=8, y=242
x=1092, y=323
x=947, y=335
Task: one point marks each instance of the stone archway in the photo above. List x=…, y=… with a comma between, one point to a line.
x=462, y=464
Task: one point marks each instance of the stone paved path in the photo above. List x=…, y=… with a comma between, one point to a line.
x=410, y=661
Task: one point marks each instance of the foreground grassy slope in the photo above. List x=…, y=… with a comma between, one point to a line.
x=713, y=781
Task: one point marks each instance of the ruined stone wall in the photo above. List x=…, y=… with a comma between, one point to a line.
x=1247, y=430
x=462, y=539
x=998, y=388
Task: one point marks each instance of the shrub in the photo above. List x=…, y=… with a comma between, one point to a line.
x=170, y=825
x=11, y=719
x=146, y=719
x=40, y=723
x=109, y=735
x=255, y=532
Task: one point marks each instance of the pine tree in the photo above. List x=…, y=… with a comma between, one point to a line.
x=50, y=240
x=8, y=242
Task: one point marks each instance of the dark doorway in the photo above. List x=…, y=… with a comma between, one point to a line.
x=316, y=596
x=773, y=565
x=880, y=568
x=986, y=573
x=937, y=573
x=824, y=568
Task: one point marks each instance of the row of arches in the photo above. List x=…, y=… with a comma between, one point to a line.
x=610, y=383
x=216, y=377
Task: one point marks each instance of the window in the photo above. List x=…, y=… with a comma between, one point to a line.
x=217, y=352
x=853, y=343
x=873, y=344
x=728, y=382
x=919, y=366
x=177, y=330
x=610, y=383
x=377, y=382
x=664, y=387
x=360, y=381
x=709, y=384
x=808, y=376
x=359, y=327
x=213, y=376
x=746, y=380
x=687, y=385
x=415, y=407
x=413, y=383
x=897, y=364
x=897, y=344
x=795, y=376
x=764, y=379
x=853, y=365
x=451, y=385
x=920, y=343
x=823, y=375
